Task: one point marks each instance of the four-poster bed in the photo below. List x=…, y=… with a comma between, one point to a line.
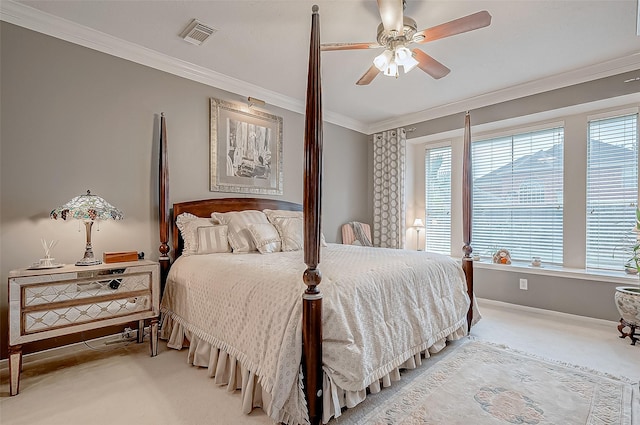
x=375, y=301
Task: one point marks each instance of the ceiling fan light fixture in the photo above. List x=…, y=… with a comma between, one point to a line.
x=409, y=63
x=402, y=54
x=397, y=32
x=383, y=60
x=392, y=69
x=405, y=58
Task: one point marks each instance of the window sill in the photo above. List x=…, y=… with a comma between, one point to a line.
x=563, y=272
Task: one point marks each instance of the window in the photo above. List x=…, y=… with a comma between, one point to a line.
x=438, y=200
x=612, y=190
x=518, y=195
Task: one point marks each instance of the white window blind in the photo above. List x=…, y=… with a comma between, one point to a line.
x=518, y=195
x=612, y=190
x=438, y=200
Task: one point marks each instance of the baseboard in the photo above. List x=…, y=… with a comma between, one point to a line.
x=74, y=348
x=544, y=312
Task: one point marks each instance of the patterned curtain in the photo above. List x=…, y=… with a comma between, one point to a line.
x=389, y=151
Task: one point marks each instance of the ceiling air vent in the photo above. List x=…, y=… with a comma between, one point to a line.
x=197, y=32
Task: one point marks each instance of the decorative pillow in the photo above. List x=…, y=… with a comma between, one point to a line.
x=188, y=225
x=212, y=239
x=265, y=237
x=238, y=221
x=290, y=226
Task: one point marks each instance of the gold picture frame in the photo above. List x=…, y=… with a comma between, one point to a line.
x=246, y=150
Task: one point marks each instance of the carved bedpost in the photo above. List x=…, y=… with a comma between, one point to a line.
x=164, y=205
x=312, y=298
x=467, y=208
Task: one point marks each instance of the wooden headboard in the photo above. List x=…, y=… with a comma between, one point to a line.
x=205, y=207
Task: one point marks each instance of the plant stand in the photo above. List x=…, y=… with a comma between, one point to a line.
x=632, y=334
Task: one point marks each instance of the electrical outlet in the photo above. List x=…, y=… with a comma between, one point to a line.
x=523, y=284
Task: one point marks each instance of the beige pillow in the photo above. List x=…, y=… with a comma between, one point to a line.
x=265, y=237
x=212, y=239
x=282, y=213
x=291, y=232
x=290, y=226
x=238, y=233
x=188, y=225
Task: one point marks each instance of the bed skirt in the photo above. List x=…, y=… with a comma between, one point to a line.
x=226, y=370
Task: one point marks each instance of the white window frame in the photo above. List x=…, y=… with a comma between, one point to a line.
x=617, y=254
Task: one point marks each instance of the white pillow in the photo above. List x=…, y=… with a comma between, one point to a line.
x=290, y=225
x=282, y=213
x=265, y=237
x=291, y=232
x=212, y=239
x=238, y=221
x=188, y=225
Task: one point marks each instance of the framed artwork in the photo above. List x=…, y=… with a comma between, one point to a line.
x=246, y=150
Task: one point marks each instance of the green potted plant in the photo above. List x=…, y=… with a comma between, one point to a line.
x=632, y=266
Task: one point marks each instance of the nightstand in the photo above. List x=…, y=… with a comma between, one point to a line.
x=47, y=303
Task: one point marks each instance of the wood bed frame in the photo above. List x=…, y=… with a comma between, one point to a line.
x=312, y=207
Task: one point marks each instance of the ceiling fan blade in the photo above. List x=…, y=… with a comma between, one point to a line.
x=368, y=76
x=348, y=46
x=457, y=26
x=391, y=14
x=430, y=65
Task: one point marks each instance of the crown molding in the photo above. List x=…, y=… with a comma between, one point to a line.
x=600, y=70
x=36, y=20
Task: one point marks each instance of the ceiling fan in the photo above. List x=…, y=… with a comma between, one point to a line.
x=397, y=31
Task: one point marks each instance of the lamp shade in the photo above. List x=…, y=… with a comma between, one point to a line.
x=383, y=59
x=391, y=70
x=418, y=223
x=87, y=208
x=409, y=63
x=402, y=54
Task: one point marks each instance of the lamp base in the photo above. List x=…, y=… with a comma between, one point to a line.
x=88, y=259
x=88, y=262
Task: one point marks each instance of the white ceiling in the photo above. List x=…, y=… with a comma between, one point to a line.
x=261, y=49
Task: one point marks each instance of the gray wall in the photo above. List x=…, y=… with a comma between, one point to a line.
x=75, y=119
x=591, y=298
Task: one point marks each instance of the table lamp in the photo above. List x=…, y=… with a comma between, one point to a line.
x=88, y=208
x=418, y=225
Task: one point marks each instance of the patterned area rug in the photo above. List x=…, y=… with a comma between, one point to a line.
x=480, y=383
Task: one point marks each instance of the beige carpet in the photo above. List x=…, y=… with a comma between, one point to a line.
x=495, y=385
x=120, y=383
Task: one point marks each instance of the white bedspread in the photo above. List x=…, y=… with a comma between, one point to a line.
x=380, y=307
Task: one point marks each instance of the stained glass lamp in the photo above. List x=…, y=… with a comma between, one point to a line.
x=88, y=208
